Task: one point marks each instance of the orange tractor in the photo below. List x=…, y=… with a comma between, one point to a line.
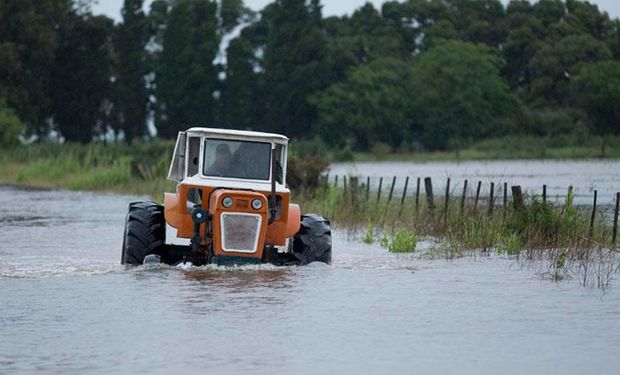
x=231, y=206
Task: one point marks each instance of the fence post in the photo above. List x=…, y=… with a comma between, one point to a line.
x=428, y=186
x=344, y=182
x=593, y=215
x=505, y=198
x=615, y=229
x=379, y=191
x=477, y=196
x=491, y=199
x=517, y=197
x=417, y=194
x=353, y=187
x=445, y=207
x=336, y=181
x=392, y=190
x=367, y=187
x=544, y=193
x=463, y=196
x=402, y=199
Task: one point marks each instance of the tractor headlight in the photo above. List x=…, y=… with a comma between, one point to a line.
x=257, y=204
x=227, y=202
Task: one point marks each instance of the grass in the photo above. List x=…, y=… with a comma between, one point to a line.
x=560, y=234
x=139, y=169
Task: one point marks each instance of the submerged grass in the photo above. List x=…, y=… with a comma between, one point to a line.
x=537, y=230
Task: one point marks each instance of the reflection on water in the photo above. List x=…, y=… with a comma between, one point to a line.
x=68, y=306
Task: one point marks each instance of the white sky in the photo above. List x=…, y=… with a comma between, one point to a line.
x=112, y=8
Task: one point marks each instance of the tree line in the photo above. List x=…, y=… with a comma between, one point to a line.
x=415, y=74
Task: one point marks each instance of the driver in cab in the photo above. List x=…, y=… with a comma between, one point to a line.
x=223, y=164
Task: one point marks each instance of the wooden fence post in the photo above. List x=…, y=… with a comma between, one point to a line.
x=417, y=194
x=402, y=199
x=354, y=186
x=477, y=196
x=491, y=199
x=615, y=230
x=379, y=191
x=392, y=190
x=544, y=194
x=517, y=198
x=428, y=186
x=593, y=215
x=505, y=199
x=367, y=187
x=336, y=181
x=447, y=201
x=463, y=196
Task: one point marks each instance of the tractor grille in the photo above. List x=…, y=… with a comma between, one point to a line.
x=242, y=203
x=240, y=232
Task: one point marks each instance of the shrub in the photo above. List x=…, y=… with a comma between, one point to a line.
x=403, y=241
x=10, y=126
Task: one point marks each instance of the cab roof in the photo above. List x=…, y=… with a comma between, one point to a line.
x=232, y=133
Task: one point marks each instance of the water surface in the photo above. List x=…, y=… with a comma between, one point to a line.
x=67, y=306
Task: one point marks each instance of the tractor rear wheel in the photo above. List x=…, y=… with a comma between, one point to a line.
x=145, y=231
x=313, y=243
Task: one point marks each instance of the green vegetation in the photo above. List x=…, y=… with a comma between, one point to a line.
x=538, y=227
x=403, y=241
x=413, y=77
x=140, y=168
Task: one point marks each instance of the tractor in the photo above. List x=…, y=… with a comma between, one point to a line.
x=231, y=207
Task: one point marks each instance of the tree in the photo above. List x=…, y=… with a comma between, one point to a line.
x=596, y=89
x=28, y=42
x=480, y=21
x=458, y=94
x=241, y=102
x=130, y=93
x=293, y=65
x=553, y=66
x=372, y=105
x=186, y=77
x=81, y=76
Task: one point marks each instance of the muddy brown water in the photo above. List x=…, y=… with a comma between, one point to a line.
x=67, y=306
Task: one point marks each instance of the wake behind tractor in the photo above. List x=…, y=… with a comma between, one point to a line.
x=231, y=206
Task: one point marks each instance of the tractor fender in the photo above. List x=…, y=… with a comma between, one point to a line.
x=294, y=220
x=171, y=210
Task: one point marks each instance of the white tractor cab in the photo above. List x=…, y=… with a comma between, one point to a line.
x=231, y=205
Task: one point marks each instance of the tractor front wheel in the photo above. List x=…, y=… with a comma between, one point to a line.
x=145, y=231
x=313, y=243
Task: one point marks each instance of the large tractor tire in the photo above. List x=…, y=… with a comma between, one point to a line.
x=313, y=243
x=145, y=231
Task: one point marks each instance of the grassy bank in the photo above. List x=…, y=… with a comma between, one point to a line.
x=139, y=169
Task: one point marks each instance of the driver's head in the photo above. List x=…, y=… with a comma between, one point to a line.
x=223, y=156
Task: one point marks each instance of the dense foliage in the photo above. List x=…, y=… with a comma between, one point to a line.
x=413, y=75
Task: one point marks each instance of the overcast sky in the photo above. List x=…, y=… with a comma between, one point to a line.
x=330, y=7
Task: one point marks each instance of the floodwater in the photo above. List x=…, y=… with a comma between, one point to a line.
x=67, y=306
x=584, y=175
